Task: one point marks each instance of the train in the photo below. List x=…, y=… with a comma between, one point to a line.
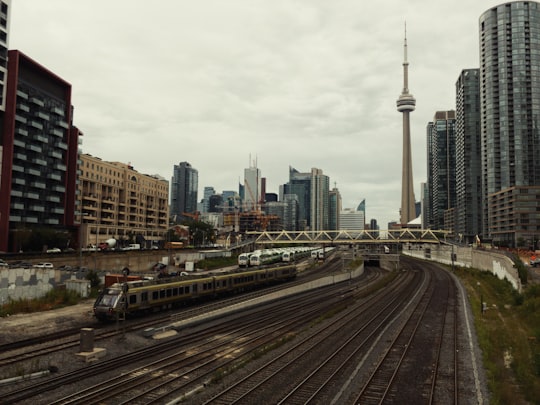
x=296, y=253
x=243, y=259
x=270, y=256
x=146, y=296
x=322, y=253
x=266, y=256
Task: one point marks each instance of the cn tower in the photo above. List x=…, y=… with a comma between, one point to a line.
x=406, y=104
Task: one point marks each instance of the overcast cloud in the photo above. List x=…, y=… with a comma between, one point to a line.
x=306, y=83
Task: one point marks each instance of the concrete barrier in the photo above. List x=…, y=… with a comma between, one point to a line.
x=469, y=257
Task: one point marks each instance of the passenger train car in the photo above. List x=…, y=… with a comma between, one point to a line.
x=243, y=259
x=144, y=296
x=266, y=256
x=322, y=253
x=269, y=256
x=296, y=253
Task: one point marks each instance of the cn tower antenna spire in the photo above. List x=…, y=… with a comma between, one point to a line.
x=405, y=105
x=405, y=64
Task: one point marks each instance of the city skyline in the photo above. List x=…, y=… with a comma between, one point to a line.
x=304, y=85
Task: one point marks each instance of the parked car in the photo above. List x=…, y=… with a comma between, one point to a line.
x=65, y=267
x=54, y=250
x=44, y=265
x=3, y=263
x=535, y=261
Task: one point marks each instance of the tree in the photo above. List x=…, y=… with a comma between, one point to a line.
x=200, y=232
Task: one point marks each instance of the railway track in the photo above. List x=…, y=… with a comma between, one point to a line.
x=312, y=363
x=30, y=349
x=420, y=365
x=227, y=333
x=372, y=342
x=417, y=358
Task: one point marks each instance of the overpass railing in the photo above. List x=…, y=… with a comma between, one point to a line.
x=350, y=236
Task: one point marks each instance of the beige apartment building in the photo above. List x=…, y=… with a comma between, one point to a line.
x=116, y=201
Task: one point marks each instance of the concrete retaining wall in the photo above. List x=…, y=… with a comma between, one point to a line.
x=31, y=283
x=19, y=283
x=486, y=260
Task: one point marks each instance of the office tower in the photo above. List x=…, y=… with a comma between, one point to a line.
x=252, y=188
x=405, y=105
x=334, y=209
x=215, y=203
x=207, y=192
x=362, y=208
x=510, y=111
x=374, y=226
x=39, y=154
x=119, y=202
x=290, y=212
x=184, y=186
x=441, y=161
x=319, y=190
x=352, y=220
x=275, y=213
x=468, y=156
x=300, y=185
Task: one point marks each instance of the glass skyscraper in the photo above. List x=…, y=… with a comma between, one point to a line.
x=441, y=168
x=184, y=186
x=510, y=112
x=468, y=156
x=319, y=190
x=300, y=185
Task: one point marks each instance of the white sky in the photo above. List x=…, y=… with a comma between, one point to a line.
x=301, y=83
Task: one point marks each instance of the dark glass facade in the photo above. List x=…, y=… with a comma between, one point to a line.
x=300, y=185
x=184, y=186
x=510, y=114
x=468, y=156
x=441, y=167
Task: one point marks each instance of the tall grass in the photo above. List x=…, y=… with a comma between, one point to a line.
x=508, y=334
x=55, y=298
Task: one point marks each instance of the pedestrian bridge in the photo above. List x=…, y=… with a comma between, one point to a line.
x=350, y=236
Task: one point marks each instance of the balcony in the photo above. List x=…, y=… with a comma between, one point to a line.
x=20, y=119
x=37, y=208
x=36, y=124
x=57, y=132
x=37, y=101
x=38, y=184
x=58, y=111
x=41, y=138
x=39, y=162
x=54, y=176
x=63, y=124
x=62, y=145
x=43, y=116
x=22, y=94
x=23, y=107
x=21, y=131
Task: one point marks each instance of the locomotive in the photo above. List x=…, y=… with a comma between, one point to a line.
x=145, y=296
